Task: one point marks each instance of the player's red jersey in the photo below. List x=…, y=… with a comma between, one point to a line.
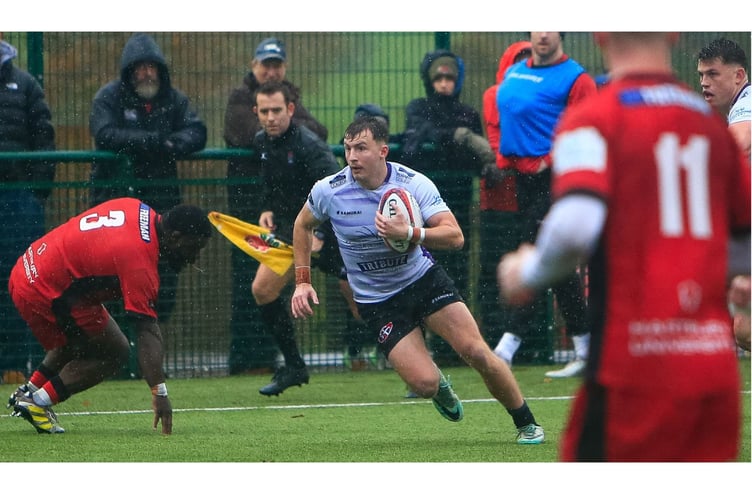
x=108, y=252
x=675, y=185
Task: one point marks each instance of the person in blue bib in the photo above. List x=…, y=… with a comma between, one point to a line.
x=530, y=99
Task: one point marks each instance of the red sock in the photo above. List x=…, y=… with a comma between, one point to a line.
x=38, y=379
x=51, y=392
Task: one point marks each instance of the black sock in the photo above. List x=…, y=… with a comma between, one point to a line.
x=522, y=416
x=62, y=392
x=277, y=320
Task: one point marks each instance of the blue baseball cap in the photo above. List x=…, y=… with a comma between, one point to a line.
x=270, y=48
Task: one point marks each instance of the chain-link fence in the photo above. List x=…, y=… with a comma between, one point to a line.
x=336, y=72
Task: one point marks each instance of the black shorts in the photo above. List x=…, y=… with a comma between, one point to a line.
x=397, y=316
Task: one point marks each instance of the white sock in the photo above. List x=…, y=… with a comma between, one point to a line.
x=507, y=347
x=41, y=398
x=581, y=345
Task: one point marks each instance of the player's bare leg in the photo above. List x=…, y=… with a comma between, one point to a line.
x=412, y=361
x=455, y=324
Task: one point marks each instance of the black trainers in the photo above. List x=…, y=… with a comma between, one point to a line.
x=283, y=378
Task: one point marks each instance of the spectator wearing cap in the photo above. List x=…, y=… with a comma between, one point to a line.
x=250, y=349
x=459, y=153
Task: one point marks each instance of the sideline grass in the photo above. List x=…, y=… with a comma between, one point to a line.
x=338, y=417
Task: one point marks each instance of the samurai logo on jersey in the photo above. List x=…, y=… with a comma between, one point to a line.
x=385, y=331
x=375, y=265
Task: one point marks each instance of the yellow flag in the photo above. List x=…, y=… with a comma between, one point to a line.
x=254, y=240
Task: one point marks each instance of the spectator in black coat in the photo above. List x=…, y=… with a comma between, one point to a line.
x=143, y=116
x=444, y=139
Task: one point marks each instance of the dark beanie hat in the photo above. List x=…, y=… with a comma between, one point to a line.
x=188, y=220
x=369, y=109
x=443, y=66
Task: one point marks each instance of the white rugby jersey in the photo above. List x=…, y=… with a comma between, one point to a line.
x=741, y=110
x=375, y=272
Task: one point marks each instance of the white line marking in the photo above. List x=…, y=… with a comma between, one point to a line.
x=303, y=407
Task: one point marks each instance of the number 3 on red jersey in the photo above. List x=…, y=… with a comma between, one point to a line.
x=89, y=222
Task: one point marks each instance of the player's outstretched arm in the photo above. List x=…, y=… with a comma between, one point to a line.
x=150, y=358
x=302, y=242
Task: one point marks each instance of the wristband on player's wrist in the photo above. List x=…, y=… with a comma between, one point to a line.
x=422, y=236
x=411, y=233
x=159, y=390
x=302, y=275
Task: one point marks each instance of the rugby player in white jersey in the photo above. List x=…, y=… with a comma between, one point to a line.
x=399, y=293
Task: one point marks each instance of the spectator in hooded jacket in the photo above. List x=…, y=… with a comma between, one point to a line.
x=25, y=125
x=499, y=233
x=141, y=115
x=250, y=351
x=457, y=153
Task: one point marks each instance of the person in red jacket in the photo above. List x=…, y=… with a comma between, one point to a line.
x=498, y=210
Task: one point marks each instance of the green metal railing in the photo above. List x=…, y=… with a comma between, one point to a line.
x=198, y=332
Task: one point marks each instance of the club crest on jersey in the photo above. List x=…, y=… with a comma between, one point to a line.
x=337, y=180
x=690, y=295
x=404, y=176
x=384, y=332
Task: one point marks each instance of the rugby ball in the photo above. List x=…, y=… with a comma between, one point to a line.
x=394, y=201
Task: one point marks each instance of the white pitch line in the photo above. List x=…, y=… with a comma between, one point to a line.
x=304, y=407
x=292, y=407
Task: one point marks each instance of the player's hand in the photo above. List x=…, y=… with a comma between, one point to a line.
x=509, y=277
x=394, y=228
x=739, y=295
x=266, y=220
x=162, y=411
x=301, y=301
